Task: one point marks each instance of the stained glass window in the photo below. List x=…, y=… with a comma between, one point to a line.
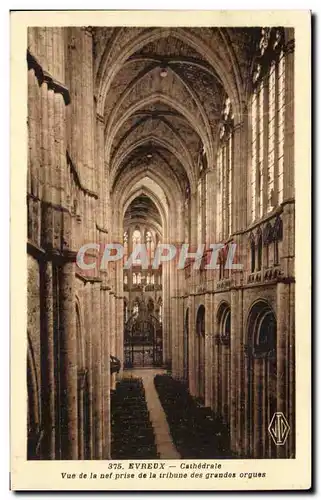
x=268, y=152
x=254, y=155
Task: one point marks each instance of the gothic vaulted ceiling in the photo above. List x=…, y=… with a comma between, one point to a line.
x=161, y=92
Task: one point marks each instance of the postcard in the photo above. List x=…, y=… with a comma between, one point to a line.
x=160, y=250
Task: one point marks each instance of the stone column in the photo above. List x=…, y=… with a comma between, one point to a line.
x=97, y=371
x=234, y=366
x=193, y=241
x=68, y=361
x=48, y=355
x=291, y=380
x=239, y=186
x=181, y=323
x=192, y=346
x=240, y=417
x=82, y=104
x=88, y=322
x=46, y=152
x=87, y=80
x=215, y=355
x=166, y=279
x=112, y=334
x=283, y=312
x=174, y=314
x=208, y=349
x=120, y=330
x=105, y=372
x=102, y=186
x=210, y=208
x=176, y=317
x=288, y=182
x=181, y=338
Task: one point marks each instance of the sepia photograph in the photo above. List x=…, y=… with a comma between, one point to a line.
x=161, y=247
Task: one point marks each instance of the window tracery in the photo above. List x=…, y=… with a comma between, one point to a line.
x=267, y=121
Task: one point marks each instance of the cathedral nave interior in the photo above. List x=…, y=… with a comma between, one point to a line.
x=160, y=136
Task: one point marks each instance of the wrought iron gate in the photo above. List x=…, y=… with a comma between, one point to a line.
x=143, y=345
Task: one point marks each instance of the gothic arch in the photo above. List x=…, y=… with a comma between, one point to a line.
x=223, y=319
x=184, y=158
x=144, y=102
x=108, y=70
x=256, y=312
x=143, y=190
x=222, y=360
x=130, y=184
x=261, y=377
x=180, y=81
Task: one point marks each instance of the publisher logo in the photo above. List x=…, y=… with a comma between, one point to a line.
x=279, y=428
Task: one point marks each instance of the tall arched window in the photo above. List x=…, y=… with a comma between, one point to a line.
x=134, y=279
x=152, y=252
x=136, y=238
x=136, y=241
x=224, y=174
x=267, y=125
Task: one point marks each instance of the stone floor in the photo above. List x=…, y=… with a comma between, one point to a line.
x=163, y=439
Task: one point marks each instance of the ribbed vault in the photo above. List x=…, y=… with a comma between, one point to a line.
x=161, y=93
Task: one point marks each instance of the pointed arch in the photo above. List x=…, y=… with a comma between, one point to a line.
x=232, y=84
